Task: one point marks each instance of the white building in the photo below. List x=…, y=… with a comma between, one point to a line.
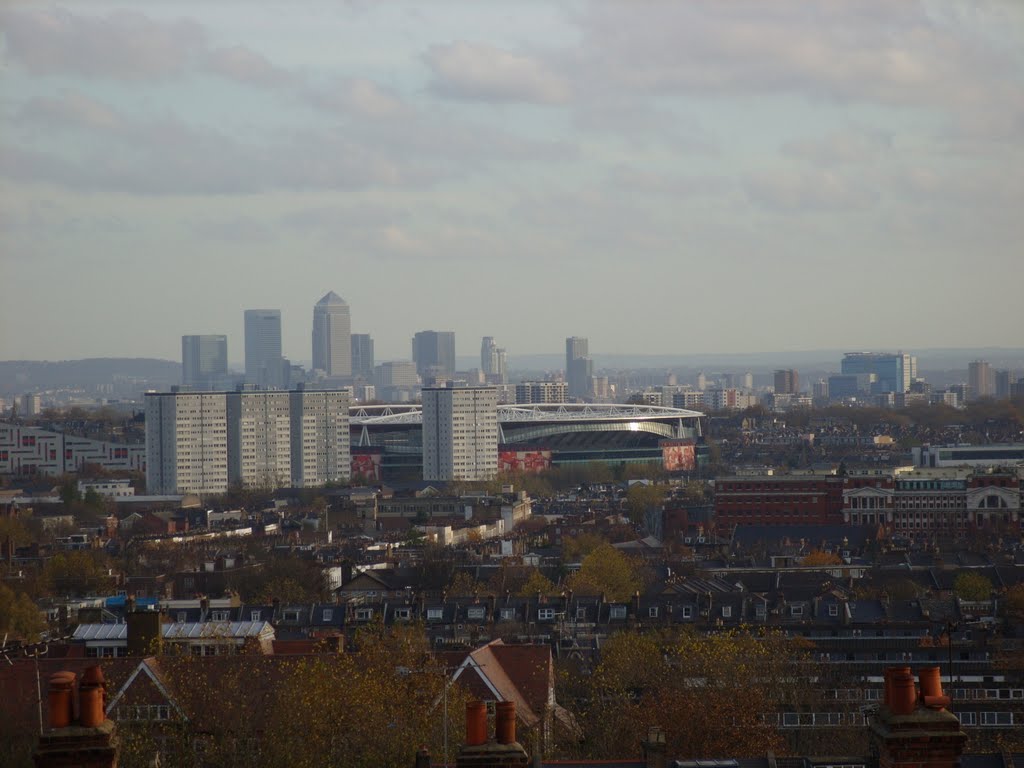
x=541, y=392
x=332, y=337
x=259, y=438
x=460, y=433
x=186, y=442
x=111, y=489
x=320, y=441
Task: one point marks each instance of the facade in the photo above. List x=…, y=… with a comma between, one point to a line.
x=968, y=455
x=799, y=499
x=787, y=382
x=579, y=368
x=362, y=355
x=34, y=451
x=204, y=361
x=434, y=353
x=397, y=373
x=460, y=433
x=259, y=439
x=493, y=361
x=31, y=405
x=186, y=442
x=332, y=337
x=320, y=442
x=264, y=364
x=886, y=372
x=541, y=392
x=981, y=379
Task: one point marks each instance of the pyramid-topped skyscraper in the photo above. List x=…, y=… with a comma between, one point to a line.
x=332, y=337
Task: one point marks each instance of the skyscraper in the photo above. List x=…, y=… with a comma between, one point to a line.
x=362, y=355
x=460, y=433
x=493, y=361
x=886, y=372
x=787, y=382
x=434, y=353
x=332, y=332
x=204, y=361
x=981, y=379
x=578, y=366
x=264, y=365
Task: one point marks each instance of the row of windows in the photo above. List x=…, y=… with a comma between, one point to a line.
x=143, y=712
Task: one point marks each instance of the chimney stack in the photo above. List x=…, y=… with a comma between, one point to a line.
x=502, y=751
x=916, y=729
x=90, y=742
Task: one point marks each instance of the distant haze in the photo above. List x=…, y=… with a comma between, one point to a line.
x=666, y=179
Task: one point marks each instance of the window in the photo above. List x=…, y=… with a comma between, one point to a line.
x=796, y=610
x=652, y=612
x=476, y=612
x=687, y=611
x=402, y=614
x=255, y=615
x=545, y=614
x=833, y=610
x=508, y=614
x=182, y=617
x=328, y=614
x=760, y=610
x=219, y=616
x=726, y=611
x=617, y=612
x=364, y=614
x=996, y=718
x=435, y=614
x=581, y=614
x=291, y=615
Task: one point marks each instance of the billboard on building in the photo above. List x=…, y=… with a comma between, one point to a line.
x=366, y=465
x=678, y=455
x=524, y=461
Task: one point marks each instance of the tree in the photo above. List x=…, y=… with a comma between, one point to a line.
x=19, y=616
x=575, y=548
x=1014, y=604
x=536, y=584
x=79, y=573
x=817, y=557
x=642, y=497
x=609, y=572
x=463, y=585
x=972, y=586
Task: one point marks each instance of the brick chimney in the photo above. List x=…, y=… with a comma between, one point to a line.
x=655, y=749
x=501, y=751
x=915, y=729
x=88, y=742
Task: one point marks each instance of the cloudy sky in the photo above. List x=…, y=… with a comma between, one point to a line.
x=663, y=177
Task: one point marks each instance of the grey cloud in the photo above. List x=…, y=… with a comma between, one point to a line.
x=791, y=190
x=855, y=146
x=125, y=45
x=478, y=72
x=361, y=97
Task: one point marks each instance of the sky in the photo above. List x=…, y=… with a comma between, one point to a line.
x=678, y=177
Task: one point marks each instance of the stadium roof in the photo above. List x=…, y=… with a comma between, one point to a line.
x=544, y=412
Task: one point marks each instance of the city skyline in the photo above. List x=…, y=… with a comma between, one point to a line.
x=689, y=166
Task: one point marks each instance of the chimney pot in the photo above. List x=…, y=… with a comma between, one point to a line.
x=505, y=722
x=60, y=697
x=903, y=691
x=476, y=723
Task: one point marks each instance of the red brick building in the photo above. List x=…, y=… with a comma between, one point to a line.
x=799, y=499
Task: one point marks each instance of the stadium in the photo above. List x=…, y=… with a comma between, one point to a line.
x=387, y=440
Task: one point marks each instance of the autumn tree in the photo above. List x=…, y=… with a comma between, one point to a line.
x=609, y=572
x=575, y=548
x=818, y=558
x=972, y=586
x=536, y=584
x=640, y=498
x=20, y=618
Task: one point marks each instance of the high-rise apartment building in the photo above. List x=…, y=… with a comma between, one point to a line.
x=434, y=353
x=332, y=337
x=201, y=442
x=578, y=367
x=204, y=361
x=981, y=379
x=493, y=361
x=320, y=440
x=264, y=364
x=1003, y=384
x=541, y=392
x=259, y=439
x=787, y=382
x=362, y=355
x=186, y=442
x=460, y=433
x=885, y=372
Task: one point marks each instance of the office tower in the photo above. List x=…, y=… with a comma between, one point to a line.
x=362, y=355
x=748, y=381
x=332, y=337
x=493, y=362
x=434, y=353
x=264, y=365
x=460, y=433
x=701, y=381
x=981, y=379
x=540, y=392
x=259, y=439
x=1003, y=384
x=395, y=374
x=578, y=366
x=787, y=382
x=186, y=442
x=204, y=361
x=885, y=372
x=320, y=440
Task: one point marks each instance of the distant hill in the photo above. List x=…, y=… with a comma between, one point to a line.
x=122, y=373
